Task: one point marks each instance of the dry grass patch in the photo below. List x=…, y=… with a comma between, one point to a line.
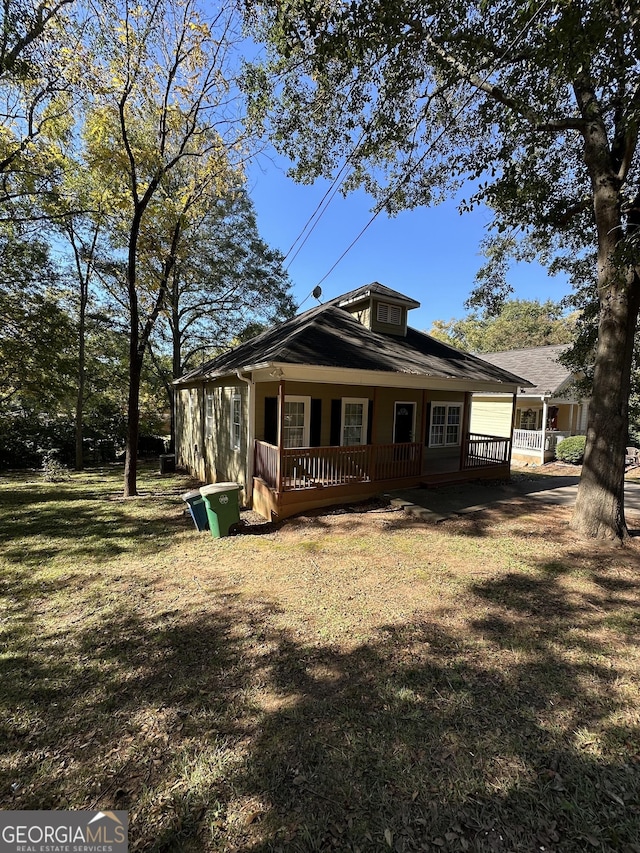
x=348, y=681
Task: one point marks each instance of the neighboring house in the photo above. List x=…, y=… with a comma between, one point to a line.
x=340, y=403
x=548, y=411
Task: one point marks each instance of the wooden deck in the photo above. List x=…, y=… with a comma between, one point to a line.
x=292, y=480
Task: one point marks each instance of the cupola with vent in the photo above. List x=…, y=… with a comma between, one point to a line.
x=379, y=308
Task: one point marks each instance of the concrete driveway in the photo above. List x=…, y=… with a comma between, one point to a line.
x=442, y=502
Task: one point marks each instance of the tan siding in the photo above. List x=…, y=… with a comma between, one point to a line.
x=385, y=398
x=189, y=430
x=564, y=417
x=210, y=456
x=223, y=463
x=491, y=416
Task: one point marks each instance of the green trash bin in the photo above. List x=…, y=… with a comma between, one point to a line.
x=223, y=510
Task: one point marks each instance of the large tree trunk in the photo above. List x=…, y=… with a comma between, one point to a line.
x=133, y=424
x=176, y=349
x=81, y=376
x=599, y=510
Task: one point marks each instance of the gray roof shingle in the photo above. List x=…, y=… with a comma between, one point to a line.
x=539, y=365
x=329, y=336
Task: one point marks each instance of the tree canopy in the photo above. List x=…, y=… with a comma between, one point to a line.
x=121, y=141
x=533, y=109
x=518, y=324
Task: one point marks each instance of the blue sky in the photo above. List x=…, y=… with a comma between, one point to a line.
x=431, y=255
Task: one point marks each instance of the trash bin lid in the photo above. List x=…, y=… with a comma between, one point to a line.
x=189, y=496
x=219, y=487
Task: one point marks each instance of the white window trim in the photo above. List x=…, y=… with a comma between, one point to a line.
x=307, y=417
x=538, y=418
x=447, y=405
x=388, y=313
x=235, y=441
x=365, y=417
x=413, y=422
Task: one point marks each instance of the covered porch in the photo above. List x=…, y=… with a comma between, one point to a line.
x=287, y=480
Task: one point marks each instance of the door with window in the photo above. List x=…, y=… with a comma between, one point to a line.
x=404, y=423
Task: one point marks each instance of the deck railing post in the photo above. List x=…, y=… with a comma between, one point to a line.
x=281, y=399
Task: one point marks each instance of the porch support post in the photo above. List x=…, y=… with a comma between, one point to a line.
x=374, y=436
x=280, y=434
x=423, y=428
x=465, y=426
x=513, y=425
x=545, y=412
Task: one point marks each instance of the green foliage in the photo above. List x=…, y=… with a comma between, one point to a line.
x=36, y=332
x=571, y=449
x=517, y=324
x=226, y=282
x=53, y=471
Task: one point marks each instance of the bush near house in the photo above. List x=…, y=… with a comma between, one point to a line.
x=571, y=449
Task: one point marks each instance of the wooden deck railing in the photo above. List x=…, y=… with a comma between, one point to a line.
x=485, y=450
x=266, y=463
x=306, y=467
x=532, y=439
x=326, y=466
x=316, y=467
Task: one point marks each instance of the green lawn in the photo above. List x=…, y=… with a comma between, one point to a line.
x=347, y=681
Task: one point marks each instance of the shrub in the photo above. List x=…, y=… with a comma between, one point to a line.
x=53, y=471
x=571, y=449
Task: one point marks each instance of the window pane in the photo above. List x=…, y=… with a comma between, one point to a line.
x=437, y=434
x=353, y=423
x=293, y=427
x=236, y=422
x=439, y=414
x=445, y=424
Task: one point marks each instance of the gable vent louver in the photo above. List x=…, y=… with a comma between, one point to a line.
x=391, y=314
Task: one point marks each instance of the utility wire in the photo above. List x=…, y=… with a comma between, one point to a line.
x=382, y=204
x=333, y=189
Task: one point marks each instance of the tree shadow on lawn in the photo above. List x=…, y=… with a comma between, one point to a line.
x=101, y=528
x=220, y=729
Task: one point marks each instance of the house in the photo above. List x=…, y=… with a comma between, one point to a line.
x=339, y=403
x=546, y=412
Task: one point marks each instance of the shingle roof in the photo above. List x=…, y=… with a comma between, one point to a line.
x=329, y=336
x=539, y=365
x=379, y=290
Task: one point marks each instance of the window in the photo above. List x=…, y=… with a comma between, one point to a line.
x=295, y=424
x=354, y=420
x=208, y=414
x=528, y=418
x=236, y=422
x=389, y=314
x=445, y=424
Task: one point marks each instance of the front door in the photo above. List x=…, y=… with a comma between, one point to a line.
x=403, y=423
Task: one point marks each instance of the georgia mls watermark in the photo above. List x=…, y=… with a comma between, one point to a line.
x=64, y=832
